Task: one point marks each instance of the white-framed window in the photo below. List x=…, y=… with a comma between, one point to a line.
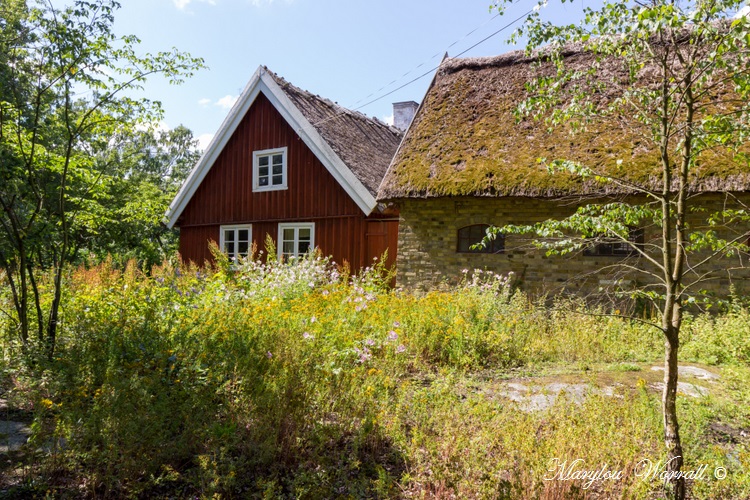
x=236, y=240
x=269, y=169
x=296, y=238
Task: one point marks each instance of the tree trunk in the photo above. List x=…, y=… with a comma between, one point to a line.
x=674, y=486
x=54, y=311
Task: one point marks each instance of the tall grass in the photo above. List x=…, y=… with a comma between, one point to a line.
x=276, y=380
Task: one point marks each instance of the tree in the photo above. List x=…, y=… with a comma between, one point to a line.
x=67, y=86
x=681, y=82
x=148, y=168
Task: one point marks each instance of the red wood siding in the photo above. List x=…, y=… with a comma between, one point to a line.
x=225, y=196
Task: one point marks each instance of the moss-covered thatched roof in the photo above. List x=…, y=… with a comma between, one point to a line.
x=466, y=140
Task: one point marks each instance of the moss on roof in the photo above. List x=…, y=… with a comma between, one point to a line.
x=366, y=145
x=465, y=140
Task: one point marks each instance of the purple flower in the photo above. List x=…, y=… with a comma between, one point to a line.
x=401, y=348
x=396, y=324
x=369, y=342
x=392, y=336
x=269, y=355
x=307, y=336
x=364, y=354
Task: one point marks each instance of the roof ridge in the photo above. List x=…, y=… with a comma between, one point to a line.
x=337, y=108
x=520, y=56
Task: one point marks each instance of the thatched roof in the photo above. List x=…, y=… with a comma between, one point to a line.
x=466, y=141
x=366, y=145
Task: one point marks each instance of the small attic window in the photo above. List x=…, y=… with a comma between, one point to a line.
x=269, y=169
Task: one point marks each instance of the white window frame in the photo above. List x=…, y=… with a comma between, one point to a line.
x=296, y=226
x=236, y=228
x=256, y=169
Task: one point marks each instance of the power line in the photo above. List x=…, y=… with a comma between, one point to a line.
x=523, y=16
x=430, y=59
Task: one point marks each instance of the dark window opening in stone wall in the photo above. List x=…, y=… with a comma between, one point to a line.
x=617, y=248
x=471, y=235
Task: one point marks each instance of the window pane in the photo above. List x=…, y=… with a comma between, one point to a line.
x=263, y=172
x=277, y=159
x=242, y=248
x=242, y=235
x=304, y=246
x=263, y=181
x=288, y=234
x=471, y=235
x=229, y=235
x=463, y=244
x=277, y=169
x=304, y=233
x=229, y=247
x=288, y=248
x=263, y=160
x=278, y=180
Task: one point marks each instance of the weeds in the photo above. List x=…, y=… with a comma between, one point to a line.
x=267, y=379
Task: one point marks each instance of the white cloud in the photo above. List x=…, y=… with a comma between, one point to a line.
x=227, y=101
x=181, y=4
x=388, y=119
x=744, y=11
x=204, y=102
x=204, y=140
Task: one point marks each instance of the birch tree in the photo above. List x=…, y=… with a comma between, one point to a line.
x=684, y=81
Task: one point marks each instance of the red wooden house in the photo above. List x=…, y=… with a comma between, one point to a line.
x=297, y=167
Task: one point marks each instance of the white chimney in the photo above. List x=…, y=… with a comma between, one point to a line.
x=403, y=114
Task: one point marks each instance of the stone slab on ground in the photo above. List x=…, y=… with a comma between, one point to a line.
x=686, y=388
x=13, y=435
x=535, y=395
x=693, y=371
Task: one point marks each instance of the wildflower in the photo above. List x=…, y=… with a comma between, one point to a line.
x=308, y=336
x=396, y=324
x=401, y=348
x=364, y=354
x=369, y=342
x=464, y=271
x=313, y=319
x=392, y=336
x=269, y=355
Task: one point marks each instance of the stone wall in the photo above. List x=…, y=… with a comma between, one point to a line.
x=427, y=256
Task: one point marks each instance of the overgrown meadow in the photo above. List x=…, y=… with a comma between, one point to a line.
x=271, y=380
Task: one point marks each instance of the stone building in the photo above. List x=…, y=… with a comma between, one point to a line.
x=469, y=161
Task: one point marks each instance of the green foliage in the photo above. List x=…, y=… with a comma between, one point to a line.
x=719, y=340
x=675, y=73
x=289, y=379
x=76, y=175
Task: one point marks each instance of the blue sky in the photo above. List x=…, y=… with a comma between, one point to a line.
x=349, y=51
